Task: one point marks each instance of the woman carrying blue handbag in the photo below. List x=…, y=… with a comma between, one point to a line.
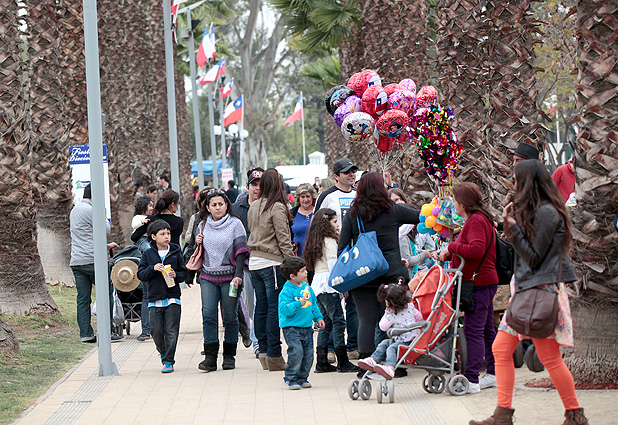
x=375, y=212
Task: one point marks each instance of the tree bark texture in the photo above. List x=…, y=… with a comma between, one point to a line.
x=9, y=345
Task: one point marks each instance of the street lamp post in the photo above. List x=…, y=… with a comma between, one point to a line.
x=237, y=135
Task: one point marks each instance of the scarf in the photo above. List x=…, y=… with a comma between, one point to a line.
x=224, y=240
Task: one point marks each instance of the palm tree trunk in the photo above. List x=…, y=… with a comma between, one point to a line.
x=22, y=282
x=596, y=162
x=9, y=345
x=51, y=178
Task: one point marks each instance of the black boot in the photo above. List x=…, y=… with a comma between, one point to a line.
x=343, y=363
x=362, y=372
x=229, y=351
x=211, y=351
x=243, y=328
x=321, y=363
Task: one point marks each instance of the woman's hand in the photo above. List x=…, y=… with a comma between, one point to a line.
x=444, y=254
x=199, y=239
x=237, y=281
x=507, y=217
x=405, y=262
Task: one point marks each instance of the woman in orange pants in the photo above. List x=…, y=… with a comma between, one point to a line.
x=538, y=226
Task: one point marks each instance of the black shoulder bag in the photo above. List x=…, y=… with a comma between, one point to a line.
x=466, y=302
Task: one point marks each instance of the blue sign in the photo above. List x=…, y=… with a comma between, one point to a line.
x=80, y=154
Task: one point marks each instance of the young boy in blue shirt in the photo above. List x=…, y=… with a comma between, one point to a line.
x=298, y=309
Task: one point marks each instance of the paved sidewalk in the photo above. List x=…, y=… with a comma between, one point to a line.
x=249, y=395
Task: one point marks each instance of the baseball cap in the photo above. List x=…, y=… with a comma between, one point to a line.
x=526, y=151
x=344, y=165
x=254, y=174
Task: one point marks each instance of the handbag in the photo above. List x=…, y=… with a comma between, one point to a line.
x=466, y=299
x=197, y=258
x=358, y=263
x=534, y=312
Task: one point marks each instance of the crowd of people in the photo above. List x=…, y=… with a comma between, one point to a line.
x=264, y=260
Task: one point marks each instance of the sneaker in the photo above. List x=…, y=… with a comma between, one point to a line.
x=487, y=381
x=305, y=384
x=353, y=355
x=474, y=388
x=89, y=339
x=143, y=337
x=167, y=367
x=368, y=364
x=386, y=371
x=292, y=385
x=117, y=338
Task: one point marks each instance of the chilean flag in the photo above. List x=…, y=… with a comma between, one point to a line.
x=213, y=74
x=233, y=112
x=175, y=5
x=206, y=50
x=298, y=111
x=212, y=38
x=227, y=89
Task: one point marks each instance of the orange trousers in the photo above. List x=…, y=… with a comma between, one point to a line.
x=548, y=351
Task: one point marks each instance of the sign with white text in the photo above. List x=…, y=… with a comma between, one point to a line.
x=79, y=160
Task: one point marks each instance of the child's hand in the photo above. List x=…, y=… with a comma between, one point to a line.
x=171, y=273
x=146, y=220
x=321, y=324
x=159, y=267
x=303, y=301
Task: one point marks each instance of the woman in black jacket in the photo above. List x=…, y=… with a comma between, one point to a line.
x=538, y=226
x=374, y=207
x=166, y=206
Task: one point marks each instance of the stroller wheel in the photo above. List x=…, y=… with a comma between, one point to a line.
x=391, y=391
x=518, y=355
x=353, y=389
x=437, y=383
x=381, y=390
x=365, y=389
x=458, y=385
x=128, y=327
x=426, y=386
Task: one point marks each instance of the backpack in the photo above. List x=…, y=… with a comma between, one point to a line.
x=504, y=261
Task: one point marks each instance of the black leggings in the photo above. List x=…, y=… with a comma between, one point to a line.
x=370, y=311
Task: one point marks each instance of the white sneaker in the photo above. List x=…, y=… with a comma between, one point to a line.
x=488, y=381
x=474, y=388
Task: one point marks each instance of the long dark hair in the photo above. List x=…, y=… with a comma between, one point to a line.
x=213, y=193
x=166, y=199
x=272, y=189
x=371, y=197
x=319, y=229
x=470, y=197
x=534, y=187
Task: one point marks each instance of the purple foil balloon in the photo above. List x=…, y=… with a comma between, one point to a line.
x=350, y=105
x=409, y=84
x=403, y=100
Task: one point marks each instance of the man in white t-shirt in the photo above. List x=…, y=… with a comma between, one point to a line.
x=339, y=197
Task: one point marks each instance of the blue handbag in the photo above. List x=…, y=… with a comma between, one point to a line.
x=359, y=263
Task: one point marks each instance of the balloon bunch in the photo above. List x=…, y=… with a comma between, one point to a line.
x=429, y=219
x=367, y=111
x=436, y=140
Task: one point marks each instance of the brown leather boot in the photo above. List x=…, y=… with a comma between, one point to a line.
x=262, y=359
x=275, y=363
x=501, y=416
x=575, y=417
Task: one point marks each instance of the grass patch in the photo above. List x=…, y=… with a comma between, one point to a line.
x=50, y=346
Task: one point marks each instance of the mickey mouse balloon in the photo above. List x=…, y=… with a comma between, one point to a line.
x=357, y=127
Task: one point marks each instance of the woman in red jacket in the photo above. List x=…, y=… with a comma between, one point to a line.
x=477, y=245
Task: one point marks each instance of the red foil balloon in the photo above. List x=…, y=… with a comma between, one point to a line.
x=427, y=95
x=392, y=88
x=374, y=101
x=393, y=123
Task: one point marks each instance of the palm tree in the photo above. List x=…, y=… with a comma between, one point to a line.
x=22, y=282
x=594, y=357
x=49, y=121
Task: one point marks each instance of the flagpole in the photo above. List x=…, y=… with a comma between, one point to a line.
x=222, y=113
x=242, y=156
x=196, y=116
x=213, y=142
x=302, y=117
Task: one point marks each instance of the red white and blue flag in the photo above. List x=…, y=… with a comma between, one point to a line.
x=206, y=50
x=214, y=72
x=227, y=89
x=298, y=111
x=211, y=35
x=175, y=5
x=233, y=112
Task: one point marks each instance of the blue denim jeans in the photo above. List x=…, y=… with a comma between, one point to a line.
x=300, y=354
x=330, y=307
x=165, y=322
x=266, y=314
x=211, y=295
x=386, y=351
x=144, y=314
x=84, y=281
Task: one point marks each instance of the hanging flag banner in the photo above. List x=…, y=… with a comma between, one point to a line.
x=227, y=89
x=79, y=160
x=175, y=5
x=206, y=51
x=233, y=112
x=298, y=111
x=214, y=72
x=211, y=35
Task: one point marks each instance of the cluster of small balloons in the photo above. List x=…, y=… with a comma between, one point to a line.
x=429, y=219
x=365, y=110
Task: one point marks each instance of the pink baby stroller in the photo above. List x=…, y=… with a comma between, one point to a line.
x=439, y=348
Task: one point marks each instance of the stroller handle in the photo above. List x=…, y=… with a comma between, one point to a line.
x=423, y=325
x=458, y=269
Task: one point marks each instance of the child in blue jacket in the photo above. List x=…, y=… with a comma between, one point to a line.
x=163, y=296
x=298, y=309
